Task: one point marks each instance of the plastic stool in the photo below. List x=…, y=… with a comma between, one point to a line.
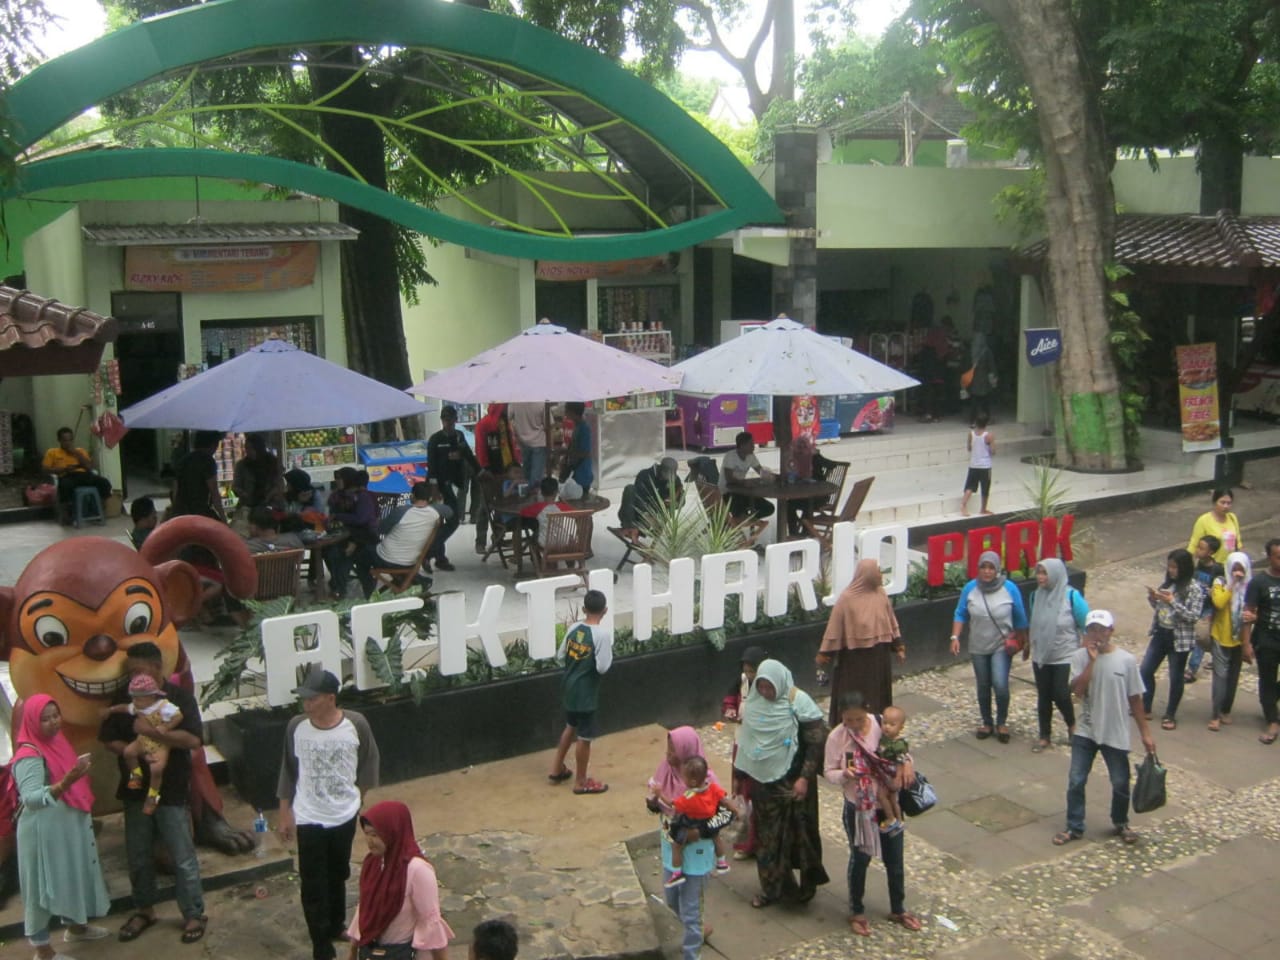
x=87, y=497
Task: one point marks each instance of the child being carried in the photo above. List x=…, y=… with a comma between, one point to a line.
x=700, y=813
x=895, y=768
x=148, y=700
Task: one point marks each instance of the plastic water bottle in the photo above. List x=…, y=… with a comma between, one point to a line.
x=260, y=835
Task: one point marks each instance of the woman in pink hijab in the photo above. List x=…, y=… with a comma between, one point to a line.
x=58, y=866
x=666, y=784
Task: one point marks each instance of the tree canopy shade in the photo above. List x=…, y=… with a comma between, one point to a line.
x=580, y=97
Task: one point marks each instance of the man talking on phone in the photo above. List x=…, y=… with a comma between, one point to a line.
x=1106, y=682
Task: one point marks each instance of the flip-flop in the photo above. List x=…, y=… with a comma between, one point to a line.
x=1168, y=723
x=1065, y=837
x=1267, y=738
x=1040, y=746
x=192, y=934
x=132, y=930
x=591, y=786
x=1215, y=724
x=560, y=777
x=860, y=926
x=908, y=921
x=1127, y=834
x=760, y=901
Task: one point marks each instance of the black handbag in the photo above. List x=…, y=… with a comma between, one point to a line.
x=1148, y=787
x=918, y=798
x=387, y=951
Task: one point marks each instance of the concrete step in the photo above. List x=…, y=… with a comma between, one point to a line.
x=952, y=454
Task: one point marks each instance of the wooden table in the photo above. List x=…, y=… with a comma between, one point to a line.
x=782, y=492
x=315, y=552
x=515, y=504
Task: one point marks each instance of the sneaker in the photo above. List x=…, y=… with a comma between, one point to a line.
x=90, y=932
x=677, y=878
x=722, y=866
x=445, y=565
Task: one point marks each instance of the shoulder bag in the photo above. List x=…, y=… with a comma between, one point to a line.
x=1013, y=643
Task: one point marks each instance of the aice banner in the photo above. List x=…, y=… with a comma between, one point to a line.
x=1198, y=397
x=1044, y=345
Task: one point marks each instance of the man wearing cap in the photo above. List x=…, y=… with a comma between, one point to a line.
x=658, y=487
x=451, y=464
x=330, y=760
x=1105, y=679
x=171, y=821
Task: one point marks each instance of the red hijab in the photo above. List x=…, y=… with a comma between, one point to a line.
x=383, y=879
x=59, y=756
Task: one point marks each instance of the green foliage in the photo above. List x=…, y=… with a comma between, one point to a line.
x=1049, y=492
x=1128, y=338
x=675, y=531
x=955, y=576
x=388, y=665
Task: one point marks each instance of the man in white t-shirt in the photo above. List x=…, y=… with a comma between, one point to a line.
x=330, y=761
x=404, y=532
x=1105, y=679
x=735, y=466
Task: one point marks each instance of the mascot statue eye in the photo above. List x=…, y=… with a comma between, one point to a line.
x=137, y=618
x=52, y=632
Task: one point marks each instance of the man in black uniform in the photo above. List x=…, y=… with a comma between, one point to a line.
x=448, y=457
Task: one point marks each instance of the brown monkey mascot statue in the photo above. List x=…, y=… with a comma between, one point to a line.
x=67, y=625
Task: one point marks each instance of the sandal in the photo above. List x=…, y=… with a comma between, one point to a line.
x=1168, y=723
x=1040, y=746
x=1268, y=738
x=564, y=774
x=1002, y=734
x=1127, y=834
x=1065, y=837
x=982, y=733
x=192, y=934
x=908, y=921
x=1215, y=724
x=135, y=927
x=591, y=786
x=760, y=901
x=860, y=926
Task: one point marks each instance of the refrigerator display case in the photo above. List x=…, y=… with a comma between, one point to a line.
x=395, y=467
x=711, y=421
x=320, y=451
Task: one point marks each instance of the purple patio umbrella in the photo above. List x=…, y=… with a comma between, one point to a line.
x=547, y=364
x=274, y=386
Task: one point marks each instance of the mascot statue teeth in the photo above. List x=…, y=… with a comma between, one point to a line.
x=67, y=625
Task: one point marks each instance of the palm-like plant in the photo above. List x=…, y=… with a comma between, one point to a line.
x=677, y=530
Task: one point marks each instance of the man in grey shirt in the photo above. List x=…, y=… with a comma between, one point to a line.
x=330, y=761
x=1105, y=680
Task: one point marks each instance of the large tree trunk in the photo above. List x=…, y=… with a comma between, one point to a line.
x=370, y=284
x=1221, y=174
x=1080, y=219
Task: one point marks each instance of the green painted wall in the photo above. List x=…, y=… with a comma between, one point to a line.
x=1173, y=188
x=25, y=216
x=863, y=207
x=1261, y=186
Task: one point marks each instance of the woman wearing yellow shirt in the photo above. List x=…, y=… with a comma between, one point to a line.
x=1228, y=611
x=1221, y=523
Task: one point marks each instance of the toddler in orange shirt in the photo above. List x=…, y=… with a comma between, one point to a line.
x=700, y=813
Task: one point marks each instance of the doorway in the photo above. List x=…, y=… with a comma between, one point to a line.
x=150, y=349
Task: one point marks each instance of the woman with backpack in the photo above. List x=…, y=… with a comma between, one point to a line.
x=1058, y=613
x=58, y=864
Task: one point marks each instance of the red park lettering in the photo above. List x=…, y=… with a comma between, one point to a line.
x=1021, y=543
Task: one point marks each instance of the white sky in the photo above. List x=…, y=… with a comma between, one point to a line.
x=83, y=21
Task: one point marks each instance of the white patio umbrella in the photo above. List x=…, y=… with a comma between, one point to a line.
x=785, y=358
x=548, y=364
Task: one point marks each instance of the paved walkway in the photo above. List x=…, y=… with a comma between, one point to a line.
x=981, y=871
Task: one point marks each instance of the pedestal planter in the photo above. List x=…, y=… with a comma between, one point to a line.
x=481, y=722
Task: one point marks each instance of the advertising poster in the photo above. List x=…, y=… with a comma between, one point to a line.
x=1044, y=345
x=1198, y=397
x=221, y=268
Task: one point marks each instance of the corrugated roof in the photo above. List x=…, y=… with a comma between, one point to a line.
x=1221, y=242
x=154, y=234
x=29, y=323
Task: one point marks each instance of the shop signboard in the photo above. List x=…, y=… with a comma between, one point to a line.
x=1044, y=345
x=1021, y=544
x=569, y=271
x=1198, y=397
x=221, y=268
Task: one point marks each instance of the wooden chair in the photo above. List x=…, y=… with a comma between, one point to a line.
x=820, y=526
x=400, y=579
x=568, y=542
x=279, y=573
x=628, y=531
x=712, y=497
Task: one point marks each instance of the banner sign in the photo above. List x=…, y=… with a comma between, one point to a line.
x=222, y=268
x=570, y=271
x=1044, y=345
x=1198, y=397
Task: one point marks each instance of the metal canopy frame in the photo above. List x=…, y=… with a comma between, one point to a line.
x=605, y=109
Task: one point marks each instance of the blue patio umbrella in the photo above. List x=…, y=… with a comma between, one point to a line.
x=273, y=386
